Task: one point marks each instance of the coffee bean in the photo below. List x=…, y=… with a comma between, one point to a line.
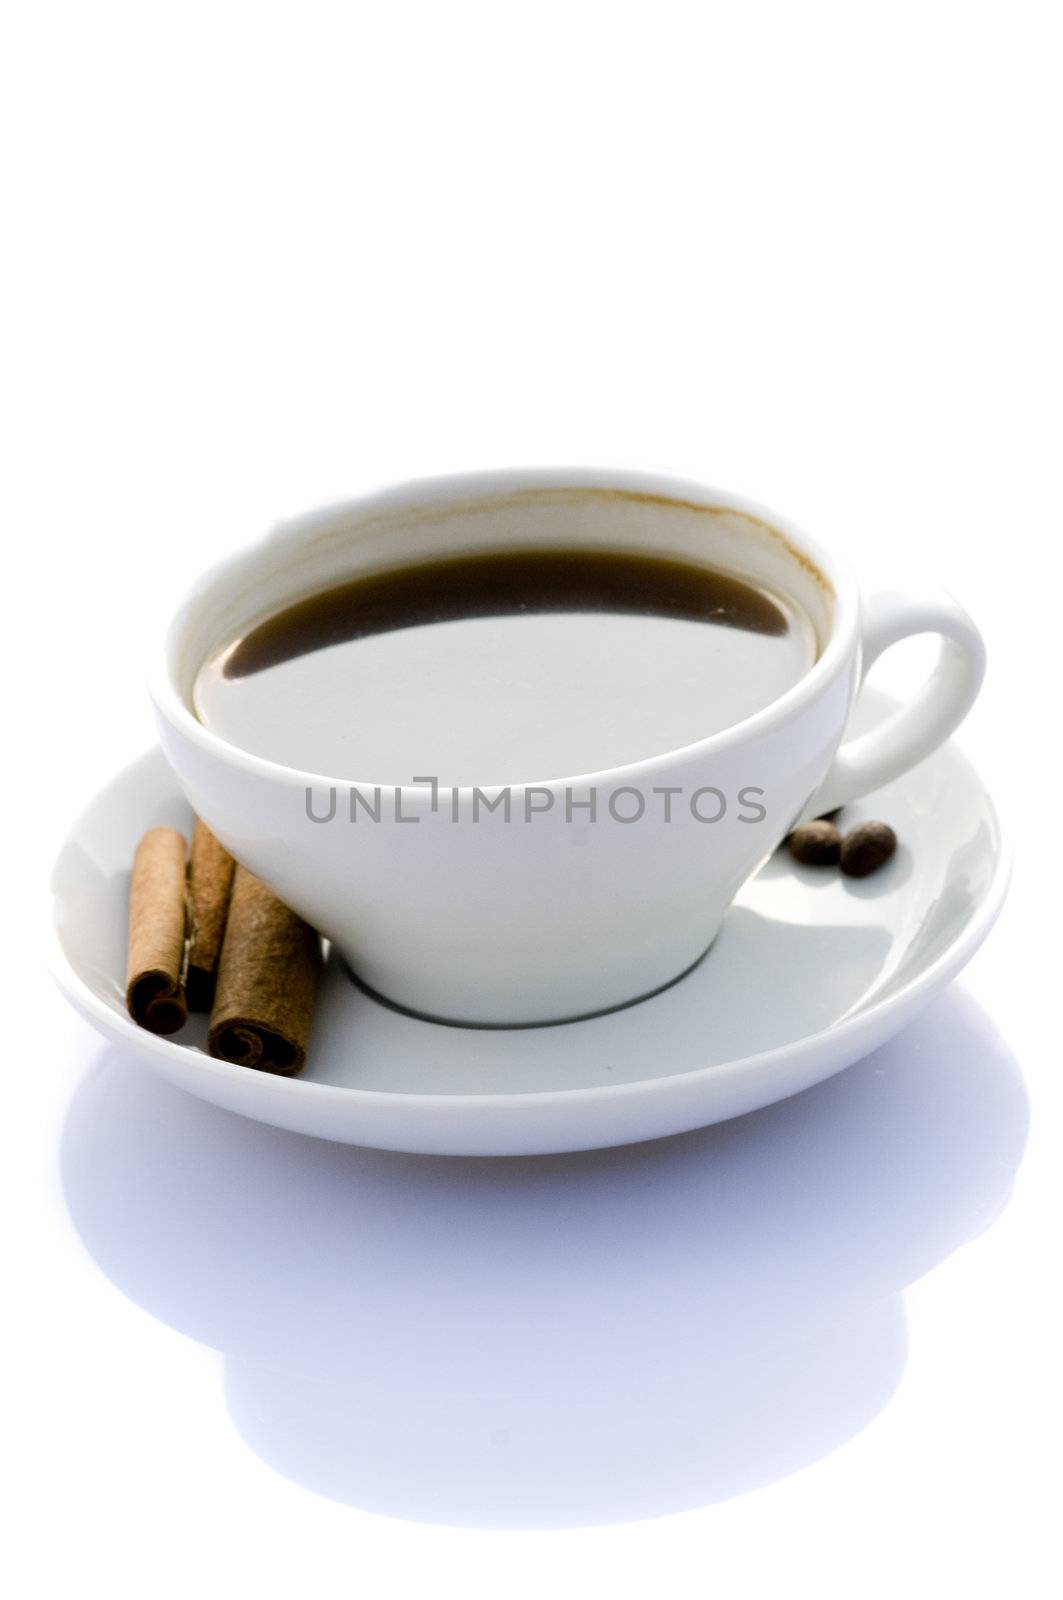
x=867, y=847
x=816, y=844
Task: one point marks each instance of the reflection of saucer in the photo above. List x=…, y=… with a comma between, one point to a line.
x=561, y=1341
x=809, y=973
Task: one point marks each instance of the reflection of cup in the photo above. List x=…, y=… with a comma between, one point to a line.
x=490, y=915
x=554, y=1341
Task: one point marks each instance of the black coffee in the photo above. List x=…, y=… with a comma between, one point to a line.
x=505, y=668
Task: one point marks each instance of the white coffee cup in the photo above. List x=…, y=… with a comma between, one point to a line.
x=473, y=915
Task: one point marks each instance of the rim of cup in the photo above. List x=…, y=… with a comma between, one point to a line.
x=420, y=493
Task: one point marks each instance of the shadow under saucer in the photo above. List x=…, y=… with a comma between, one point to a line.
x=558, y=1340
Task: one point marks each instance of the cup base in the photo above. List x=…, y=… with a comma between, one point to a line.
x=496, y=1027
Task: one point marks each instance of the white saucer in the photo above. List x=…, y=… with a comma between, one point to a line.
x=810, y=972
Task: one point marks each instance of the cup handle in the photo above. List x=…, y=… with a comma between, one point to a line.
x=913, y=731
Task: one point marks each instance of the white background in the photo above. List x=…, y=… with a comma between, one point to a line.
x=262, y=256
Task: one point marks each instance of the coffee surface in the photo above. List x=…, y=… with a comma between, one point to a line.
x=506, y=667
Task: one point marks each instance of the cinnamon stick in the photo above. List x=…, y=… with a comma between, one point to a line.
x=210, y=878
x=155, y=995
x=267, y=981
